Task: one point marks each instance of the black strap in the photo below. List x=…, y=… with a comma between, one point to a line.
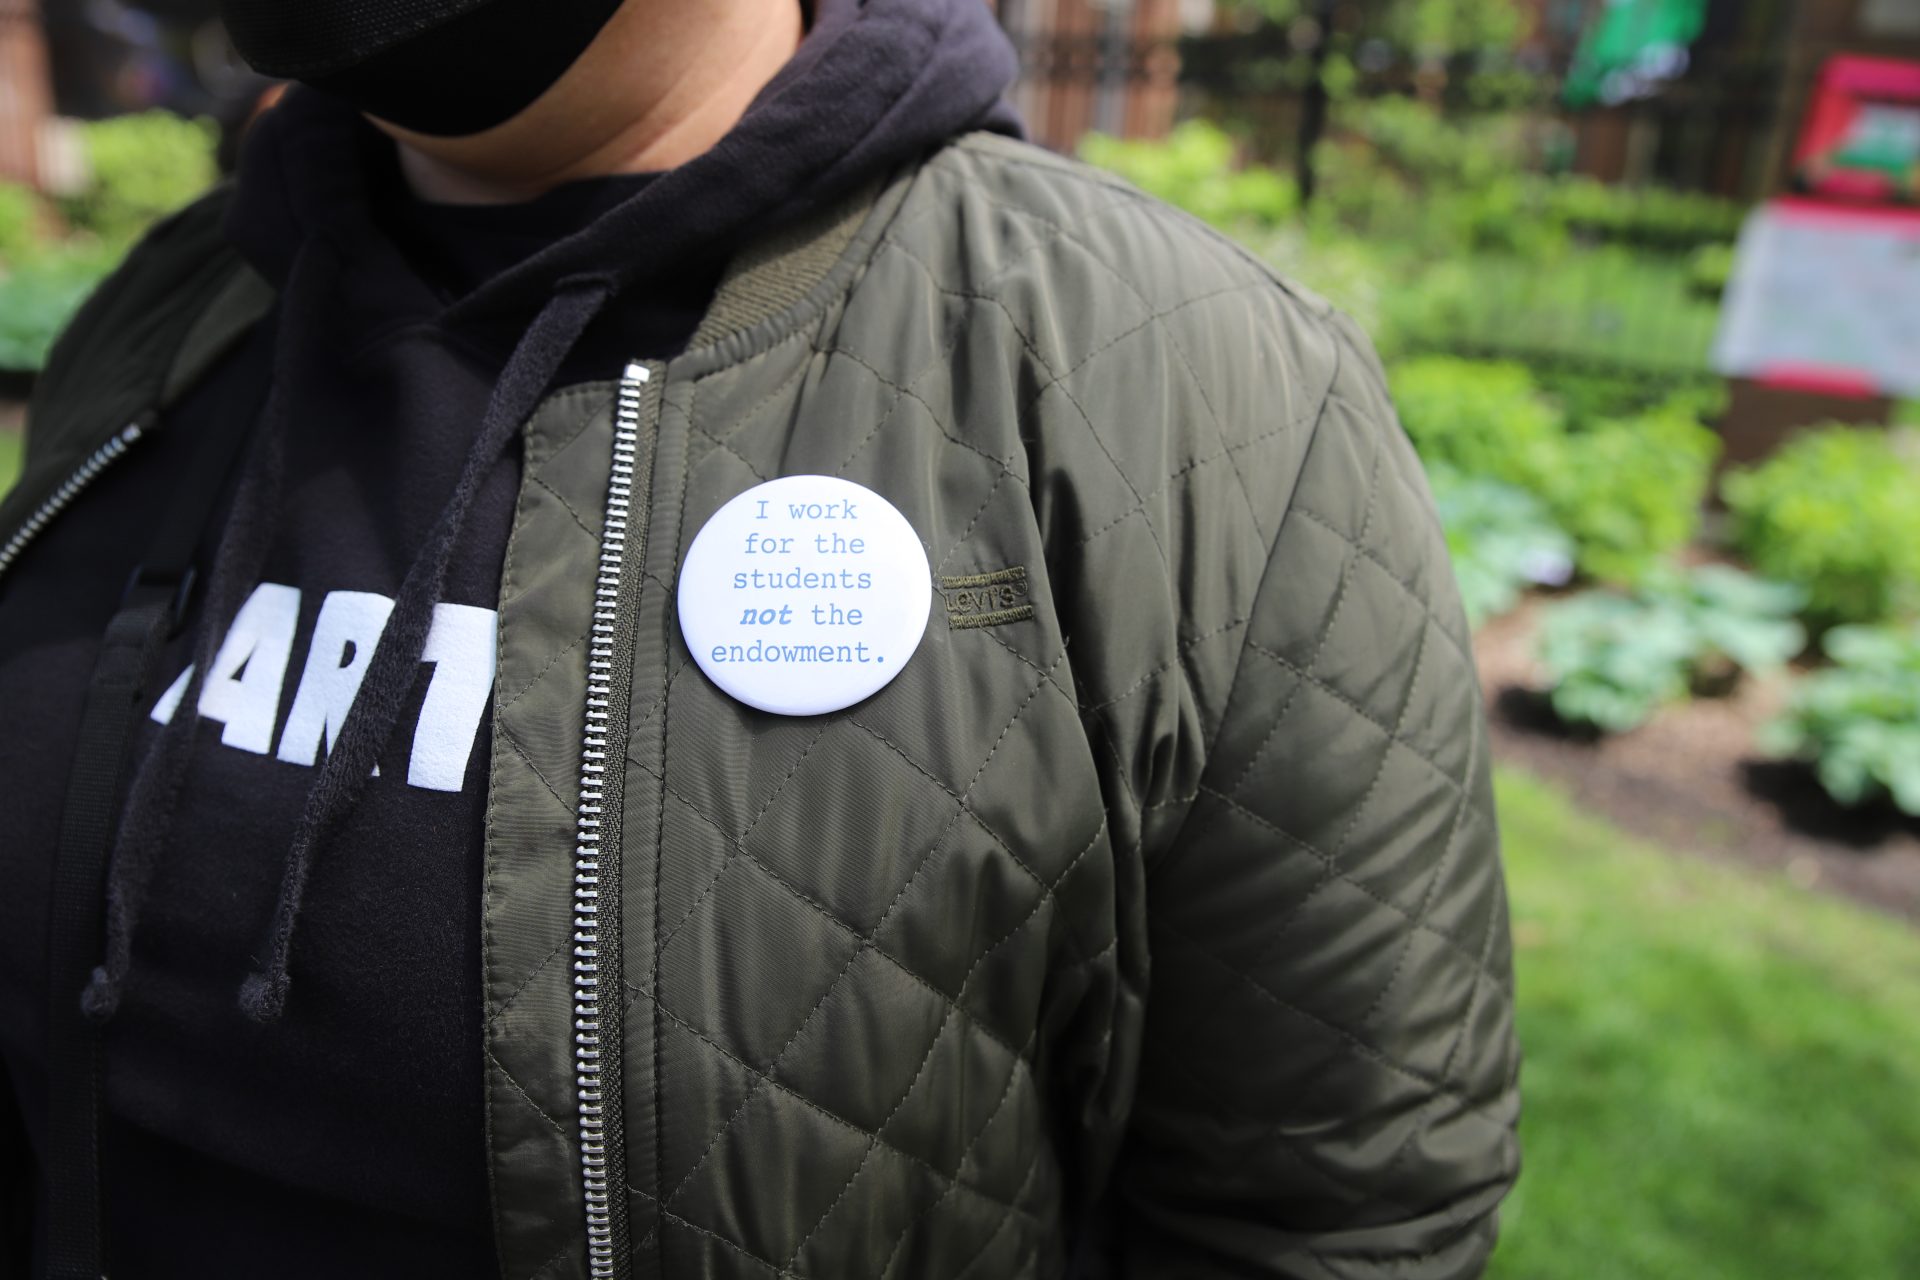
x=153, y=610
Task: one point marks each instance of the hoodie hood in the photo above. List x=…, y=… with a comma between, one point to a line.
x=874, y=85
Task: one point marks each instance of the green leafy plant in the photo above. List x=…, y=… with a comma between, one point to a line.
x=1709, y=269
x=1858, y=722
x=1630, y=490
x=1501, y=541
x=143, y=168
x=1481, y=418
x=1195, y=169
x=1614, y=659
x=21, y=223
x=1836, y=510
x=40, y=296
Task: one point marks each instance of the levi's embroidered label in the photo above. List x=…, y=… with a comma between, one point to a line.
x=805, y=594
x=987, y=599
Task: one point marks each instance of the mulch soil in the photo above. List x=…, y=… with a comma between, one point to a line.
x=1692, y=780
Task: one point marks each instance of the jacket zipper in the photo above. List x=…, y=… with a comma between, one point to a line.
x=596, y=1063
x=74, y=485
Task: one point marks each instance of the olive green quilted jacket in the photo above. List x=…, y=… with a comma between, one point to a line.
x=1150, y=923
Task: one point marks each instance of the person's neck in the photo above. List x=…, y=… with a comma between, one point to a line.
x=660, y=85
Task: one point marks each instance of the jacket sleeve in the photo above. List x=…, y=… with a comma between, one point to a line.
x=1328, y=1083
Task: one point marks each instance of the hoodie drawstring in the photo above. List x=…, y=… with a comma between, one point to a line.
x=394, y=667
x=392, y=670
x=237, y=564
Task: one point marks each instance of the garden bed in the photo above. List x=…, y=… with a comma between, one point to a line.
x=1691, y=779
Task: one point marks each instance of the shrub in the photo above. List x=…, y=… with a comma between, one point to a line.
x=1858, y=722
x=1837, y=510
x=1613, y=659
x=1501, y=541
x=143, y=168
x=1481, y=418
x=1194, y=169
x=1650, y=216
x=1709, y=269
x=20, y=223
x=1630, y=490
x=40, y=296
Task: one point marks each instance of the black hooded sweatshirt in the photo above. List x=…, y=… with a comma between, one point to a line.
x=342, y=1131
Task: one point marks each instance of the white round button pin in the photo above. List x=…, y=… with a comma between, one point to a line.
x=805, y=594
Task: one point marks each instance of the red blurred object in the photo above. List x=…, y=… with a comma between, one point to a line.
x=1861, y=137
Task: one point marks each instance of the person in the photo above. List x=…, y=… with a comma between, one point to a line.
x=392, y=888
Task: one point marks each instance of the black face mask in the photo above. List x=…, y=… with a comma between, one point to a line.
x=445, y=67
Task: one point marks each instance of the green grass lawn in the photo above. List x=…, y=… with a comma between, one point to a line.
x=1722, y=1072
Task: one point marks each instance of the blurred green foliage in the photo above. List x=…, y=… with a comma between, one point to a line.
x=142, y=167
x=1438, y=233
x=1194, y=168
x=1614, y=659
x=1836, y=510
x=1430, y=28
x=52, y=253
x=1628, y=490
x=1501, y=541
x=1720, y=1068
x=22, y=223
x=1858, y=721
x=38, y=297
x=10, y=450
x=1481, y=418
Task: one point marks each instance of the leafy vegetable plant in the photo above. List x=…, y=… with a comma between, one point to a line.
x=20, y=223
x=1482, y=418
x=1194, y=168
x=1628, y=490
x=143, y=168
x=1613, y=659
x=38, y=298
x=1858, y=722
x=1501, y=540
x=1837, y=511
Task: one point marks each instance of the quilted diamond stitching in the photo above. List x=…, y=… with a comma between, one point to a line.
x=1046, y=887
x=1276, y=1132
x=1179, y=349
x=1331, y=876
x=863, y=945
x=526, y=1097
x=500, y=1010
x=953, y=1006
x=1373, y=557
x=1370, y=1052
x=1393, y=735
x=1026, y=1182
x=1014, y=1075
x=506, y=732
x=1320, y=642
x=827, y=913
x=1433, y=883
x=1011, y=1206
x=735, y=844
